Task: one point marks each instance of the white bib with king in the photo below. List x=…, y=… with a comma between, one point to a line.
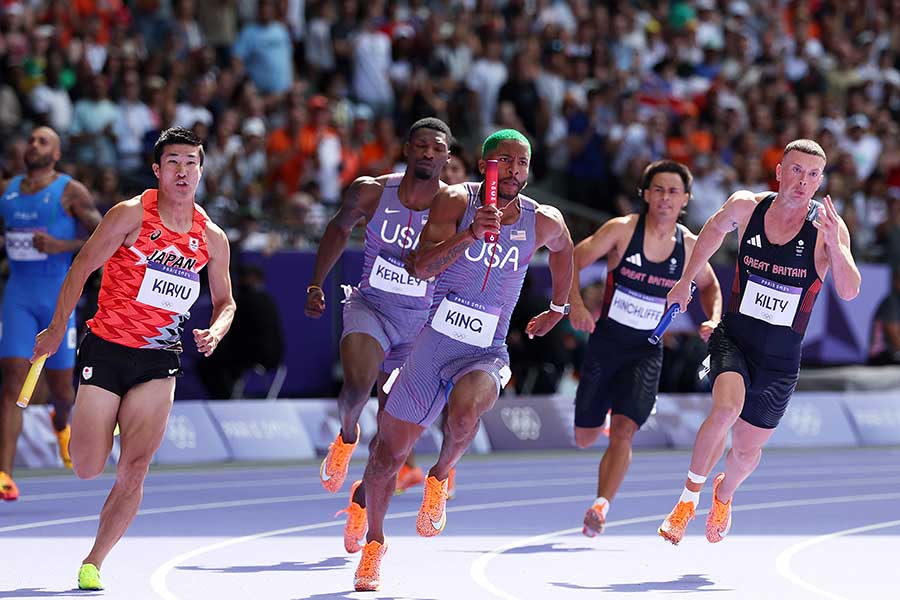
x=468, y=322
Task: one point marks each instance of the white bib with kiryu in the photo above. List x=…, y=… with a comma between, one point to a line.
x=389, y=275
x=468, y=322
x=169, y=288
x=769, y=301
x=20, y=246
x=636, y=310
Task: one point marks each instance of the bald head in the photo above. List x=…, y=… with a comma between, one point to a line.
x=43, y=149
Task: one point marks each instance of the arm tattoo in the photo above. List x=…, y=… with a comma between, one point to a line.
x=734, y=225
x=442, y=261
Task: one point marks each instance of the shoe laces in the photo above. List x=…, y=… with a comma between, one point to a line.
x=356, y=515
x=720, y=509
x=368, y=565
x=435, y=494
x=681, y=515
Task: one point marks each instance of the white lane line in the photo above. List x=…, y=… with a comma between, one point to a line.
x=479, y=486
x=783, y=561
x=149, y=488
x=158, y=579
x=478, y=570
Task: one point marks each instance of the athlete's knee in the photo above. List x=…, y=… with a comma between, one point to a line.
x=86, y=467
x=725, y=412
x=132, y=471
x=622, y=436
x=387, y=456
x=746, y=457
x=356, y=388
x=586, y=436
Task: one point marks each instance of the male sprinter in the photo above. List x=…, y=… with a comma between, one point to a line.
x=387, y=310
x=645, y=253
x=152, y=248
x=40, y=211
x=460, y=358
x=786, y=247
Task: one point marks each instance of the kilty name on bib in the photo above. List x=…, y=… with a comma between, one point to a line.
x=169, y=288
x=389, y=275
x=20, y=245
x=772, y=302
x=468, y=322
x=636, y=310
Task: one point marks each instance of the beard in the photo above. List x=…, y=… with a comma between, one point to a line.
x=37, y=161
x=422, y=173
x=506, y=196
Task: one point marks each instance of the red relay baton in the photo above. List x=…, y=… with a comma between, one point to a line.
x=490, y=194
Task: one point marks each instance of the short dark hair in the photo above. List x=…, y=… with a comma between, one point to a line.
x=430, y=123
x=176, y=135
x=806, y=147
x=667, y=166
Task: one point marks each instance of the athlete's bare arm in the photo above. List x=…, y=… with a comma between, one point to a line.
x=551, y=231
x=223, y=303
x=733, y=215
x=122, y=222
x=440, y=244
x=608, y=240
x=359, y=203
x=710, y=292
x=78, y=202
x=833, y=250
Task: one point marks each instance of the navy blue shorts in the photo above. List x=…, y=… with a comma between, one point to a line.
x=769, y=379
x=622, y=378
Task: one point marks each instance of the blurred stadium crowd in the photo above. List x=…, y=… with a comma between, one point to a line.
x=296, y=98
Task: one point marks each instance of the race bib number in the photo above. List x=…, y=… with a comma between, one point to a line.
x=389, y=275
x=468, y=322
x=20, y=246
x=169, y=288
x=636, y=310
x=771, y=302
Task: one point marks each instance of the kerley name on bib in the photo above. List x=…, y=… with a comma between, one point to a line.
x=467, y=322
x=389, y=275
x=169, y=288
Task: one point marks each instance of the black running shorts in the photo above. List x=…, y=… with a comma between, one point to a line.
x=624, y=379
x=118, y=368
x=769, y=380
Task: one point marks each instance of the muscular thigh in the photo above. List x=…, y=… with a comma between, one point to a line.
x=143, y=417
x=93, y=423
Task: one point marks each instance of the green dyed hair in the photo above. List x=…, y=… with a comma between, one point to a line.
x=493, y=140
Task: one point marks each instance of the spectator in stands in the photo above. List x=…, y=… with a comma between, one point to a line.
x=371, y=56
x=93, y=125
x=884, y=343
x=264, y=50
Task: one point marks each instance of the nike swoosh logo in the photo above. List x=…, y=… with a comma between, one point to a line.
x=322, y=474
x=391, y=211
x=439, y=526
x=172, y=371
